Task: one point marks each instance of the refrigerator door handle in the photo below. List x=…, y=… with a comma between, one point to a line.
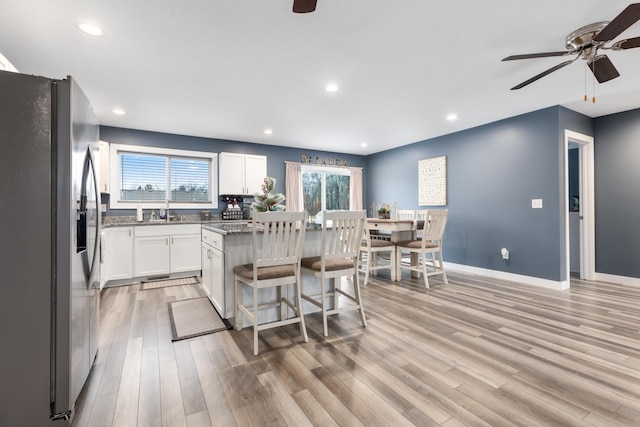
x=89, y=220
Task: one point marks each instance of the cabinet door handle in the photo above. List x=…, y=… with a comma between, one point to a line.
x=129, y=232
x=167, y=240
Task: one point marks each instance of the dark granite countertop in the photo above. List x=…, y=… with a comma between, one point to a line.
x=125, y=221
x=240, y=227
x=215, y=224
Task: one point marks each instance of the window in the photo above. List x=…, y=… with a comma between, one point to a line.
x=151, y=176
x=325, y=188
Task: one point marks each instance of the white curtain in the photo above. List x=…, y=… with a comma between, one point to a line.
x=356, y=189
x=293, y=189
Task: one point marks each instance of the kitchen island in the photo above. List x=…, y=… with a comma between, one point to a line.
x=237, y=246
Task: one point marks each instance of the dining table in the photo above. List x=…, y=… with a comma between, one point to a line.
x=397, y=230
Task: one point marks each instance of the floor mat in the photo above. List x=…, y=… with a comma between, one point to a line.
x=155, y=284
x=194, y=317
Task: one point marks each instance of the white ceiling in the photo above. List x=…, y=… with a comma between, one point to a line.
x=229, y=68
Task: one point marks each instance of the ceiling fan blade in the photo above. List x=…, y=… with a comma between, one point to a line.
x=602, y=67
x=627, y=44
x=624, y=20
x=541, y=75
x=537, y=55
x=304, y=6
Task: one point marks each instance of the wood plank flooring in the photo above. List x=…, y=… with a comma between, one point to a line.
x=476, y=352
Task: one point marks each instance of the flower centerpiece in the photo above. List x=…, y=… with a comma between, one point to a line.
x=266, y=201
x=384, y=211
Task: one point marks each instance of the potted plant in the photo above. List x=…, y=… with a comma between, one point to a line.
x=384, y=211
x=266, y=200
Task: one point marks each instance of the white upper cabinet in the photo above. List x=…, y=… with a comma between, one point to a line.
x=241, y=173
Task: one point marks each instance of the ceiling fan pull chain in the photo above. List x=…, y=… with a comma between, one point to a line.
x=585, y=82
x=593, y=84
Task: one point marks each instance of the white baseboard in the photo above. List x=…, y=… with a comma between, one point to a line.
x=527, y=280
x=621, y=280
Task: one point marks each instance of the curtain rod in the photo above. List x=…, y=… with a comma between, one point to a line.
x=321, y=165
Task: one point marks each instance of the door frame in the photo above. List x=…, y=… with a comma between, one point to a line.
x=587, y=206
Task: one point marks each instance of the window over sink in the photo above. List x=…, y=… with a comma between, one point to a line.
x=151, y=176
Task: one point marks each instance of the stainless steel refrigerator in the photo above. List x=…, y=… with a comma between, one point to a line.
x=49, y=248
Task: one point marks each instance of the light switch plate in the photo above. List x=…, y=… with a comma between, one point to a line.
x=536, y=203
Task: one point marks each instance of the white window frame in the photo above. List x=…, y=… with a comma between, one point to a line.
x=114, y=176
x=325, y=170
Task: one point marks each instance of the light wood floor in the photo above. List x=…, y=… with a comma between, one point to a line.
x=476, y=352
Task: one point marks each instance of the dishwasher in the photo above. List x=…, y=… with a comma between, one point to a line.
x=213, y=268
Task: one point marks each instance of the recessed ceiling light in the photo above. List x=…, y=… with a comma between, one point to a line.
x=90, y=29
x=331, y=87
x=118, y=111
x=268, y=131
x=452, y=117
x=364, y=144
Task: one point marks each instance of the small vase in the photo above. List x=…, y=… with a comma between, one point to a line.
x=384, y=215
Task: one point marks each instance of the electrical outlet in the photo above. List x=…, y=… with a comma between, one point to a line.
x=536, y=203
x=505, y=253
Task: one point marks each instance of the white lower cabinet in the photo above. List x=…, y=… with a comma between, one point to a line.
x=167, y=248
x=206, y=269
x=213, y=269
x=119, y=253
x=151, y=255
x=217, y=280
x=185, y=252
x=104, y=274
x=143, y=251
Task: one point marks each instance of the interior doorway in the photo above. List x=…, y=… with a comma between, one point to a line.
x=584, y=215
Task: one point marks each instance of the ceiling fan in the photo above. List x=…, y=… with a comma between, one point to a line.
x=585, y=43
x=304, y=6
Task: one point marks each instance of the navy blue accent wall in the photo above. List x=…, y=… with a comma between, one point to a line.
x=493, y=172
x=617, y=198
x=276, y=155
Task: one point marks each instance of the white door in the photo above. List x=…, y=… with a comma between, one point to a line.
x=587, y=209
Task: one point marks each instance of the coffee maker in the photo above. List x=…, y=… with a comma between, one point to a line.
x=233, y=210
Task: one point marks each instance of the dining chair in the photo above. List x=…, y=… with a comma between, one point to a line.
x=430, y=243
x=421, y=219
x=277, y=239
x=370, y=250
x=340, y=246
x=405, y=214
